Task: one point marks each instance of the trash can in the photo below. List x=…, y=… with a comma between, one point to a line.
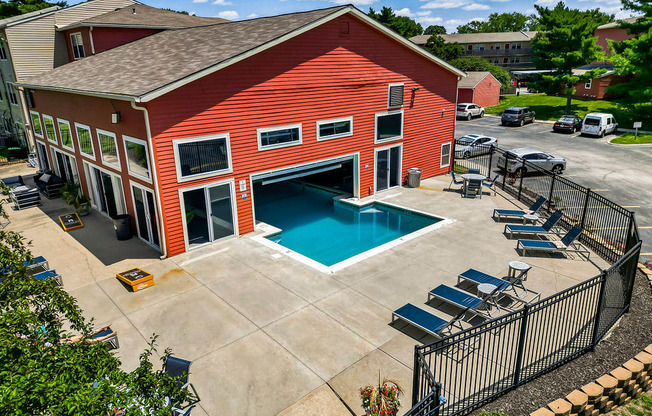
x=414, y=177
x=122, y=225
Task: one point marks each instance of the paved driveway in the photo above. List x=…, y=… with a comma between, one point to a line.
x=622, y=173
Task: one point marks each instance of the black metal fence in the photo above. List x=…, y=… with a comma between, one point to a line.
x=475, y=366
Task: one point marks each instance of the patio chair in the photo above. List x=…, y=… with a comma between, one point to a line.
x=566, y=244
x=463, y=299
x=491, y=184
x=111, y=341
x=428, y=322
x=517, y=213
x=49, y=274
x=503, y=286
x=178, y=367
x=37, y=264
x=547, y=227
x=454, y=180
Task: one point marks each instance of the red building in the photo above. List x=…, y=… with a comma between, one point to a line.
x=480, y=87
x=611, y=31
x=179, y=129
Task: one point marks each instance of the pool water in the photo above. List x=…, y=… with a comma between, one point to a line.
x=328, y=230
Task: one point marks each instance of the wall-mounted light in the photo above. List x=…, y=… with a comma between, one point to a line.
x=115, y=117
x=443, y=110
x=415, y=89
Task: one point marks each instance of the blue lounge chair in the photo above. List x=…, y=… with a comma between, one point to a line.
x=478, y=277
x=566, y=244
x=454, y=180
x=546, y=228
x=49, y=274
x=513, y=288
x=426, y=321
x=37, y=264
x=111, y=341
x=462, y=299
x=517, y=212
x=491, y=184
x=178, y=367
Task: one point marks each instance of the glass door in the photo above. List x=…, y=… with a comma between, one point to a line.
x=43, y=155
x=388, y=168
x=106, y=191
x=146, y=219
x=209, y=214
x=66, y=167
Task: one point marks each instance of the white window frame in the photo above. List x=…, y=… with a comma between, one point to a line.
x=43, y=154
x=139, y=185
x=175, y=145
x=334, y=136
x=73, y=39
x=11, y=91
x=117, y=149
x=45, y=130
x=450, y=150
x=81, y=151
x=278, y=146
x=3, y=51
x=31, y=120
x=588, y=84
x=389, y=89
x=73, y=165
x=126, y=139
x=400, y=166
x=116, y=179
x=388, y=113
x=72, y=139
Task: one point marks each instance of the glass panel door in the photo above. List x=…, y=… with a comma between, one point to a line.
x=146, y=218
x=153, y=219
x=221, y=211
x=394, y=166
x=196, y=212
x=61, y=166
x=43, y=154
x=382, y=169
x=209, y=214
x=109, y=194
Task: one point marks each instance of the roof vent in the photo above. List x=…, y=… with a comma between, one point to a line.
x=133, y=10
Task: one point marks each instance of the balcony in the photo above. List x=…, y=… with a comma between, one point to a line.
x=500, y=52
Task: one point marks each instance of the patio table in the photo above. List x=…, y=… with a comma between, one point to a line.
x=473, y=178
x=533, y=218
x=489, y=294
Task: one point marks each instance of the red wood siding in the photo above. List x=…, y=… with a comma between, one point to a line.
x=598, y=87
x=615, y=34
x=316, y=76
x=85, y=37
x=465, y=95
x=110, y=37
x=487, y=92
x=95, y=113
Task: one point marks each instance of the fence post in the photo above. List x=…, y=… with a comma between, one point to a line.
x=453, y=157
x=631, y=275
x=598, y=312
x=586, y=206
x=505, y=167
x=437, y=401
x=491, y=155
x=521, y=346
x=415, y=377
x=552, y=187
x=520, y=186
x=629, y=244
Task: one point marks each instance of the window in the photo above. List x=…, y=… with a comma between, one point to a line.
x=36, y=124
x=445, y=155
x=202, y=157
x=478, y=47
x=108, y=148
x=516, y=46
x=588, y=84
x=137, y=157
x=515, y=60
x=1, y=97
x=48, y=123
x=389, y=126
x=395, y=96
x=65, y=134
x=85, y=140
x=498, y=46
x=332, y=129
x=281, y=136
x=13, y=98
x=77, y=45
x=3, y=51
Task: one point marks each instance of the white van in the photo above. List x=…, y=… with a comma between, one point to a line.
x=599, y=124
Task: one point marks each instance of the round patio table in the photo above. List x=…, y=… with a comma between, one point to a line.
x=472, y=177
x=533, y=218
x=516, y=268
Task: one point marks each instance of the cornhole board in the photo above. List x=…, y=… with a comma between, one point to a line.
x=70, y=221
x=137, y=278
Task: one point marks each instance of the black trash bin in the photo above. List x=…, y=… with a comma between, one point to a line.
x=122, y=225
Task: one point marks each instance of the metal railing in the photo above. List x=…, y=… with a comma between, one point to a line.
x=477, y=365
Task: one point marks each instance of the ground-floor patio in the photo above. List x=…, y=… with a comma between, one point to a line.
x=269, y=335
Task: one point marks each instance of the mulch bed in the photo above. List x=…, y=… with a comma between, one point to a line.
x=628, y=339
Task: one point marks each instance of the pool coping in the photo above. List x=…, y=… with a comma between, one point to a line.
x=268, y=230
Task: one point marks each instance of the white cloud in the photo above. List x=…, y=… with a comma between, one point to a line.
x=200, y=1
x=222, y=3
x=546, y=2
x=452, y=24
x=355, y=2
x=252, y=16
x=424, y=13
x=476, y=6
x=228, y=14
x=500, y=1
x=404, y=12
x=429, y=20
x=444, y=4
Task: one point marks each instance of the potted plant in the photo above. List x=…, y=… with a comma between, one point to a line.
x=74, y=196
x=554, y=201
x=383, y=399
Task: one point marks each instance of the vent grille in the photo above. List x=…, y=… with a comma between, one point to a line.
x=395, y=96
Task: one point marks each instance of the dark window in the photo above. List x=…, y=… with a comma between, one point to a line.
x=3, y=52
x=203, y=156
x=389, y=126
x=395, y=96
x=280, y=137
x=77, y=46
x=334, y=129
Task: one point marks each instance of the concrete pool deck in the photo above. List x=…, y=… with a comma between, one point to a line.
x=268, y=335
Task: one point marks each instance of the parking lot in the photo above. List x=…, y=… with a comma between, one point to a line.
x=621, y=173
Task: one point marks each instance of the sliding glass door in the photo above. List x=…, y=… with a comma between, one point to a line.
x=65, y=166
x=388, y=168
x=106, y=191
x=209, y=214
x=146, y=219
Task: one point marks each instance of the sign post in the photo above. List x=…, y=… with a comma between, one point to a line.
x=637, y=125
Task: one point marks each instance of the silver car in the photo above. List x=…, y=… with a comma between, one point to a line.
x=469, y=110
x=541, y=159
x=473, y=145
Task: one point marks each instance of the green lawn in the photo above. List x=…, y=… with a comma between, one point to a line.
x=551, y=108
x=628, y=138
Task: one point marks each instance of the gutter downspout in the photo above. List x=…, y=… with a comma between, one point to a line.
x=150, y=146
x=90, y=35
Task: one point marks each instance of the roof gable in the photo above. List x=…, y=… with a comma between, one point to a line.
x=474, y=78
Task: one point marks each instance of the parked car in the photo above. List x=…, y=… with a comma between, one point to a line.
x=473, y=145
x=541, y=159
x=517, y=115
x=469, y=110
x=569, y=123
x=599, y=124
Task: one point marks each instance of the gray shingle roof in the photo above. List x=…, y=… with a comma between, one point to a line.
x=480, y=37
x=153, y=62
x=7, y=21
x=474, y=77
x=615, y=24
x=151, y=17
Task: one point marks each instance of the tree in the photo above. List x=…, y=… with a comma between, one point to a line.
x=498, y=22
x=16, y=7
x=634, y=57
x=565, y=41
x=177, y=11
x=437, y=46
x=42, y=372
x=435, y=30
x=403, y=25
x=474, y=63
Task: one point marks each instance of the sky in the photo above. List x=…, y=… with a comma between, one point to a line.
x=448, y=13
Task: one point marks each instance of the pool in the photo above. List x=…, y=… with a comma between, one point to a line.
x=329, y=231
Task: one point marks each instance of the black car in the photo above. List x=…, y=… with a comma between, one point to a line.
x=517, y=115
x=569, y=123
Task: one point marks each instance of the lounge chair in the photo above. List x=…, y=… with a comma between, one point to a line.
x=517, y=213
x=37, y=265
x=178, y=367
x=428, y=322
x=454, y=180
x=513, y=288
x=491, y=184
x=49, y=274
x=566, y=244
x=463, y=299
x=478, y=277
x=546, y=228
x=111, y=341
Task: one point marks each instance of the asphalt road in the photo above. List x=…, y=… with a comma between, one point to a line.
x=621, y=173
